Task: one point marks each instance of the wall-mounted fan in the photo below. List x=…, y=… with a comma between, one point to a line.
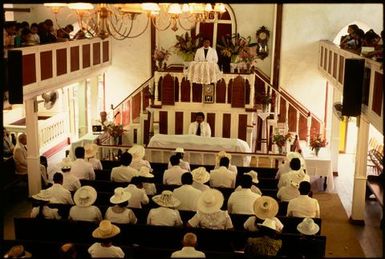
x=337, y=110
x=49, y=99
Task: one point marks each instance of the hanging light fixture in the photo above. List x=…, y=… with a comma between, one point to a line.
x=118, y=20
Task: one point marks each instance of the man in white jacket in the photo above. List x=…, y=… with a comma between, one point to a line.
x=206, y=53
x=199, y=127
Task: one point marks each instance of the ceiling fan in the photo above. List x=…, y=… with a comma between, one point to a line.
x=49, y=99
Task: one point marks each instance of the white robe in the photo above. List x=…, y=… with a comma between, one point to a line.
x=211, y=56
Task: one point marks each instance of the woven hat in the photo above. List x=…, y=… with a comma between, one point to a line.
x=294, y=184
x=106, y=230
x=120, y=196
x=254, y=176
x=308, y=227
x=90, y=150
x=66, y=163
x=137, y=151
x=268, y=223
x=220, y=155
x=200, y=175
x=179, y=150
x=18, y=251
x=85, y=196
x=265, y=207
x=145, y=172
x=210, y=201
x=299, y=175
x=166, y=199
x=43, y=195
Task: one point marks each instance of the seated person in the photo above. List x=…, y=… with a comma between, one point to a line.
x=138, y=194
x=303, y=205
x=90, y=156
x=188, y=251
x=308, y=227
x=209, y=214
x=296, y=174
x=119, y=213
x=242, y=201
x=222, y=177
x=165, y=214
x=124, y=172
x=58, y=193
x=138, y=152
x=206, y=53
x=80, y=167
x=43, y=171
x=186, y=194
x=70, y=182
x=346, y=38
x=42, y=210
x=84, y=197
x=221, y=154
x=200, y=178
x=17, y=251
x=179, y=151
x=7, y=145
x=264, y=207
x=34, y=38
x=288, y=192
x=145, y=174
x=199, y=127
x=254, y=182
x=174, y=174
x=20, y=155
x=104, y=248
x=68, y=251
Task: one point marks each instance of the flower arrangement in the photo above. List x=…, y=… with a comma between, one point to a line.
x=115, y=130
x=232, y=46
x=280, y=139
x=264, y=99
x=187, y=45
x=161, y=54
x=316, y=141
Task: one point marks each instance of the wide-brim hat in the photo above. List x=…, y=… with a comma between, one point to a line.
x=145, y=172
x=137, y=151
x=90, y=150
x=222, y=154
x=291, y=155
x=210, y=201
x=85, y=196
x=265, y=207
x=298, y=175
x=294, y=184
x=308, y=227
x=120, y=196
x=166, y=199
x=268, y=223
x=179, y=150
x=17, y=251
x=106, y=230
x=200, y=175
x=43, y=195
x=254, y=176
x=66, y=163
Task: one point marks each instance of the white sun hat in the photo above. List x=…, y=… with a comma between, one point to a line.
x=43, y=195
x=254, y=176
x=90, y=150
x=85, y=196
x=200, y=175
x=220, y=155
x=210, y=201
x=179, y=150
x=269, y=223
x=265, y=207
x=166, y=199
x=106, y=230
x=66, y=163
x=145, y=172
x=120, y=196
x=137, y=151
x=308, y=227
x=294, y=184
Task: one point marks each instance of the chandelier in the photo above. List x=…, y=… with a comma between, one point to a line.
x=119, y=20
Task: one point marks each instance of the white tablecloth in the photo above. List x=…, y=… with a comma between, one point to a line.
x=203, y=72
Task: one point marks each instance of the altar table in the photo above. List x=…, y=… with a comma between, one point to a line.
x=203, y=72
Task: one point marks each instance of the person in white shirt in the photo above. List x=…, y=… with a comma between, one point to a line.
x=186, y=194
x=188, y=251
x=58, y=193
x=179, y=151
x=145, y=175
x=90, y=156
x=200, y=177
x=119, y=213
x=84, y=197
x=209, y=214
x=42, y=210
x=254, y=177
x=303, y=205
x=199, y=127
x=222, y=177
x=231, y=167
x=242, y=201
x=174, y=174
x=20, y=155
x=8, y=146
x=138, y=194
x=165, y=215
x=287, y=193
x=124, y=172
x=284, y=167
x=81, y=168
x=70, y=182
x=296, y=174
x=104, y=248
x=206, y=53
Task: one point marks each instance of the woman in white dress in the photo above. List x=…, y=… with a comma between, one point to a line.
x=119, y=213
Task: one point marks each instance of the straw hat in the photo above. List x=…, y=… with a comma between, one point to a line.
x=299, y=175
x=308, y=227
x=166, y=199
x=254, y=176
x=18, y=251
x=210, y=201
x=268, y=223
x=85, y=196
x=43, y=195
x=120, y=196
x=294, y=184
x=291, y=155
x=179, y=150
x=200, y=175
x=90, y=150
x=66, y=163
x=265, y=207
x=220, y=155
x=106, y=230
x=137, y=151
x=145, y=172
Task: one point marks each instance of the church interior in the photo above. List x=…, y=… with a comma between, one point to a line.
x=285, y=81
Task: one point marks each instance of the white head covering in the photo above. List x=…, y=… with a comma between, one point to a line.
x=166, y=199
x=106, y=230
x=120, y=196
x=308, y=227
x=85, y=196
x=137, y=152
x=210, y=201
x=200, y=175
x=254, y=176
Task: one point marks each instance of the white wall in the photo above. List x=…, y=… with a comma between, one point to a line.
x=303, y=26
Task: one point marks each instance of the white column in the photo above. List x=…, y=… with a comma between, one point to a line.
x=335, y=132
x=359, y=187
x=156, y=96
x=33, y=156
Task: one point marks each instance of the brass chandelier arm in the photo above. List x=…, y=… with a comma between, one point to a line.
x=116, y=31
x=153, y=20
x=184, y=28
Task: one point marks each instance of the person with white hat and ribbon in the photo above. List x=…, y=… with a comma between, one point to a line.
x=186, y=194
x=138, y=194
x=265, y=207
x=70, y=182
x=104, y=248
x=138, y=152
x=165, y=214
x=200, y=177
x=174, y=174
x=90, y=156
x=179, y=152
x=223, y=177
x=209, y=214
x=119, y=213
x=254, y=182
x=124, y=172
x=303, y=205
x=308, y=227
x=84, y=197
x=42, y=210
x=231, y=167
x=287, y=193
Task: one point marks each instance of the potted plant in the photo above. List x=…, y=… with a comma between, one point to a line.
x=116, y=132
x=248, y=58
x=265, y=100
x=187, y=45
x=161, y=55
x=316, y=142
x=280, y=141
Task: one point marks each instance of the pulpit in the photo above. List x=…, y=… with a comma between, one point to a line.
x=203, y=72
